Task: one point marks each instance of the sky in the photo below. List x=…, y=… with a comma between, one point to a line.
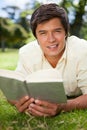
x=20, y=4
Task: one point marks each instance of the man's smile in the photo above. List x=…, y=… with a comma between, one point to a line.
x=54, y=46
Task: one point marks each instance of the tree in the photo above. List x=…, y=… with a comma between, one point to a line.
x=78, y=12
x=25, y=15
x=11, y=32
x=78, y=22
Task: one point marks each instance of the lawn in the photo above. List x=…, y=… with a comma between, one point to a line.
x=8, y=59
x=11, y=119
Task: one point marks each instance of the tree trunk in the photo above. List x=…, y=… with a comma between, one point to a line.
x=3, y=45
x=77, y=25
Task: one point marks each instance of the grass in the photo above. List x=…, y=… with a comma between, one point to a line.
x=8, y=59
x=11, y=119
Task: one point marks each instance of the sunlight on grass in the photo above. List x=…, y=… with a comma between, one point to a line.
x=8, y=59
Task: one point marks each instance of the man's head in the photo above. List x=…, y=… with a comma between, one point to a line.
x=47, y=12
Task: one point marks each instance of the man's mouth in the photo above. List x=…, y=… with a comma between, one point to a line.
x=52, y=46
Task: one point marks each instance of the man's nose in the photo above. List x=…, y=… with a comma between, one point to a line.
x=51, y=37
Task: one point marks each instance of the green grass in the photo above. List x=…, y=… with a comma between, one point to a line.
x=8, y=59
x=11, y=119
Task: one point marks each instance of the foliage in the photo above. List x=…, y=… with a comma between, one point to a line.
x=11, y=32
x=83, y=32
x=78, y=11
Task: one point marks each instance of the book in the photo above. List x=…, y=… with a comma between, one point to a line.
x=43, y=84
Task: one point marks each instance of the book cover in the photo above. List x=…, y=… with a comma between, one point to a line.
x=38, y=85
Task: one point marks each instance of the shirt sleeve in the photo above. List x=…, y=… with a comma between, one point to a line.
x=30, y=58
x=21, y=65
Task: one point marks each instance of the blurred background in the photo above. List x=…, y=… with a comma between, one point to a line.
x=15, y=20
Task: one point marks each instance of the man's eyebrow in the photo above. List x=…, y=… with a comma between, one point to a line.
x=40, y=31
x=58, y=29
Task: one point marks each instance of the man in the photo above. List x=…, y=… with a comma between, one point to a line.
x=54, y=49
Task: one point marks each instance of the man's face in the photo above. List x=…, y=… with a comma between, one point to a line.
x=51, y=37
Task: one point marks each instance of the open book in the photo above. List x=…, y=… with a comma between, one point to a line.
x=43, y=85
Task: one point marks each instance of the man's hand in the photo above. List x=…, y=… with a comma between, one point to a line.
x=36, y=107
x=22, y=104
x=44, y=108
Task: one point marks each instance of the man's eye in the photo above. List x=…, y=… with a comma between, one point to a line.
x=42, y=33
x=58, y=31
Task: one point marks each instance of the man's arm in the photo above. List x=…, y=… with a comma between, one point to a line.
x=76, y=103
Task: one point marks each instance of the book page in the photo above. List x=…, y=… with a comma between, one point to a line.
x=45, y=75
x=11, y=74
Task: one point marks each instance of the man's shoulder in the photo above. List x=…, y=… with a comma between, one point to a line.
x=77, y=46
x=76, y=43
x=74, y=40
x=29, y=47
x=32, y=52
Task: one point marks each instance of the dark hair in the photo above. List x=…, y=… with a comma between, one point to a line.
x=46, y=12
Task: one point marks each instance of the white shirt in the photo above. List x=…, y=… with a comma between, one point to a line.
x=72, y=66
